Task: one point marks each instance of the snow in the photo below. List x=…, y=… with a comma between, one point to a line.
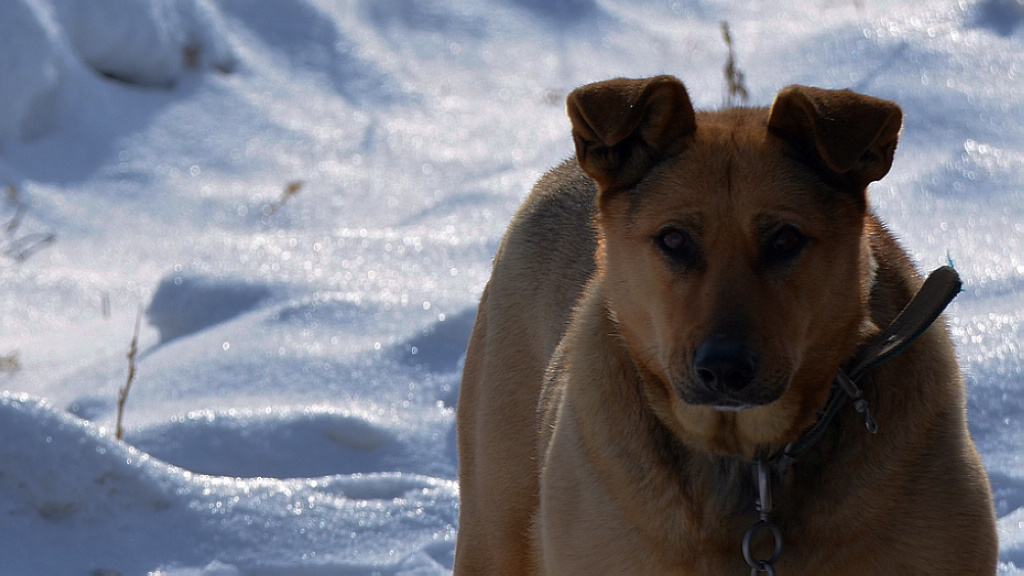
x=294, y=404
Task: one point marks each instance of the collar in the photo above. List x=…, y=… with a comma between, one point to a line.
x=938, y=290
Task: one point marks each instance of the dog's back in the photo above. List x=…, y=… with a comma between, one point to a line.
x=544, y=260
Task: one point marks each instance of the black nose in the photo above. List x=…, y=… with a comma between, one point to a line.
x=724, y=365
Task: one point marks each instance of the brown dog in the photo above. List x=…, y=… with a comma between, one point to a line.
x=680, y=308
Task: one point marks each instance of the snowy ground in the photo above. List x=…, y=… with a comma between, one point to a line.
x=293, y=411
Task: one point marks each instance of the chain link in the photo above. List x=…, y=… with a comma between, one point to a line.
x=764, y=508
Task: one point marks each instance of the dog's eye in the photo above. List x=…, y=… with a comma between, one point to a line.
x=678, y=245
x=784, y=245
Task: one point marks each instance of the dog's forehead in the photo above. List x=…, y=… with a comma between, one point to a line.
x=732, y=164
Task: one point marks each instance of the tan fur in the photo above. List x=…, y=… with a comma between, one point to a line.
x=588, y=444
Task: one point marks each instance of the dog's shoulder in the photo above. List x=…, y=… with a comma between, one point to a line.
x=894, y=277
x=560, y=206
x=545, y=259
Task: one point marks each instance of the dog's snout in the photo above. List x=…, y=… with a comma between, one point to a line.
x=724, y=365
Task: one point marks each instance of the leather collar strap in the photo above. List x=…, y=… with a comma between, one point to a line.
x=935, y=294
x=938, y=290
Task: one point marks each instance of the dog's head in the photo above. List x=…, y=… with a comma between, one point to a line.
x=732, y=247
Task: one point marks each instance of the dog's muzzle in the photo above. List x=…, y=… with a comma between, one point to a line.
x=724, y=376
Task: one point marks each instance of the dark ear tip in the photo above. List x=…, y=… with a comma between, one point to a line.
x=672, y=83
x=791, y=107
x=666, y=80
x=789, y=91
x=621, y=127
x=853, y=134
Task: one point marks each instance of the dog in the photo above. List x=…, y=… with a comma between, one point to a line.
x=672, y=308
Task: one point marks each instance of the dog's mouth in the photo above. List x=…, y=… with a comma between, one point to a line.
x=755, y=395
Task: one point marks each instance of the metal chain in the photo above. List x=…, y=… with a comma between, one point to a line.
x=764, y=509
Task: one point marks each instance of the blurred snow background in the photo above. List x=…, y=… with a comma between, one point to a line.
x=299, y=358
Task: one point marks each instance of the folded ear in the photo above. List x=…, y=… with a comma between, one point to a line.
x=623, y=127
x=852, y=135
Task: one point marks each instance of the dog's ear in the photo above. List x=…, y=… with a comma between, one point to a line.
x=623, y=127
x=852, y=135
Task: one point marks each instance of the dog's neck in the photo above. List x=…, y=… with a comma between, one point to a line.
x=715, y=493
x=717, y=483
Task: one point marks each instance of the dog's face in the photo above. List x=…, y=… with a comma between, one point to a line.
x=732, y=248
